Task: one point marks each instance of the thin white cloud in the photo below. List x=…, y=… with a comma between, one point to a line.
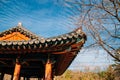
x=92, y=58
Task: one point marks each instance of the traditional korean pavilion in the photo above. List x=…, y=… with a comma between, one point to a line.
x=24, y=54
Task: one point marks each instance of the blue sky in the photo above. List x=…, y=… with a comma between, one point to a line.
x=45, y=18
x=91, y=59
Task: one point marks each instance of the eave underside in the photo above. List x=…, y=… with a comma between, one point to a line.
x=33, y=64
x=33, y=60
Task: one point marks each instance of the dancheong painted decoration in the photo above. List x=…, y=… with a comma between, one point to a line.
x=24, y=54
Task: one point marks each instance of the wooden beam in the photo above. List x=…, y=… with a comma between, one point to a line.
x=48, y=70
x=17, y=71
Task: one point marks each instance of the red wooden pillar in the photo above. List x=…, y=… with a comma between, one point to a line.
x=17, y=70
x=48, y=70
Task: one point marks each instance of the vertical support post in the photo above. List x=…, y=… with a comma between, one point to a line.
x=48, y=70
x=17, y=70
x=2, y=76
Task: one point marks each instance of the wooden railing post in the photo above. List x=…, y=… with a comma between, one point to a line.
x=17, y=70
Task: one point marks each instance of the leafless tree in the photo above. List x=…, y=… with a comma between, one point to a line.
x=100, y=19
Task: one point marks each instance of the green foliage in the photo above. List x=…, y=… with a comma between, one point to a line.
x=68, y=75
x=102, y=74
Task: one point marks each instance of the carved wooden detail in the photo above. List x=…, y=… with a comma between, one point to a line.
x=15, y=36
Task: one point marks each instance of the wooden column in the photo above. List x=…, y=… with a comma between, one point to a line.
x=17, y=70
x=48, y=70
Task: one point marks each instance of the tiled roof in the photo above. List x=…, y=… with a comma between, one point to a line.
x=72, y=37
